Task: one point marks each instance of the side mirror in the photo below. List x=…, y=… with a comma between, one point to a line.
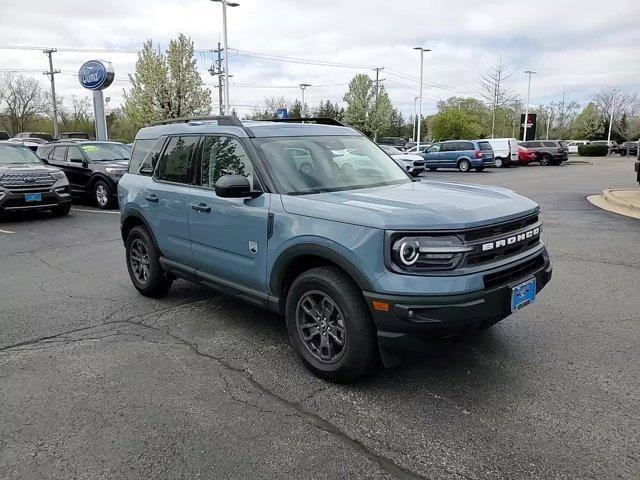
x=234, y=186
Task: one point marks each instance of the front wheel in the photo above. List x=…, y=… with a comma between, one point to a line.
x=103, y=194
x=498, y=163
x=330, y=326
x=464, y=165
x=143, y=264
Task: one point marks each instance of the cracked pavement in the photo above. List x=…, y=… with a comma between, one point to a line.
x=97, y=381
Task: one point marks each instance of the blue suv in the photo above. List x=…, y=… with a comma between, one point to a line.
x=461, y=154
x=363, y=260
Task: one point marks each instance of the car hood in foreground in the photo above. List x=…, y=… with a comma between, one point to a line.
x=414, y=205
x=407, y=157
x=27, y=168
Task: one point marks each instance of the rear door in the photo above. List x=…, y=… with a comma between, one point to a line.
x=228, y=235
x=466, y=149
x=165, y=197
x=58, y=157
x=450, y=154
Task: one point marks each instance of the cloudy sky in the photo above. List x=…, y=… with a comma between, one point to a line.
x=580, y=45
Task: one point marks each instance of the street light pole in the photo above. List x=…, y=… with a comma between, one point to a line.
x=613, y=98
x=415, y=115
x=303, y=86
x=226, y=4
x=526, y=110
x=422, y=50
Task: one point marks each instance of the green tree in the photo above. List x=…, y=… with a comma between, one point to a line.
x=296, y=110
x=327, y=109
x=381, y=113
x=454, y=124
x=589, y=124
x=359, y=98
x=166, y=85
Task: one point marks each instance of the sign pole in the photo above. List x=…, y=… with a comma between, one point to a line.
x=96, y=75
x=99, y=116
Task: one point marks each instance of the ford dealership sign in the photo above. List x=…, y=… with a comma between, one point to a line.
x=96, y=74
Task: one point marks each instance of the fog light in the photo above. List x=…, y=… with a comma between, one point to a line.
x=380, y=306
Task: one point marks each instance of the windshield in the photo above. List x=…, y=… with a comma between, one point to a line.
x=390, y=150
x=105, y=152
x=301, y=165
x=17, y=156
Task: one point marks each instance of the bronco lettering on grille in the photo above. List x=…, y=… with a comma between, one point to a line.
x=503, y=242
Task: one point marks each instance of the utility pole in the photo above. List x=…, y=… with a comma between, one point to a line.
x=613, y=100
x=225, y=4
x=422, y=50
x=51, y=74
x=375, y=101
x=526, y=110
x=303, y=86
x=515, y=118
x=216, y=69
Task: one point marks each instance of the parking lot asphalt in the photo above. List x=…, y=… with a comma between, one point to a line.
x=97, y=381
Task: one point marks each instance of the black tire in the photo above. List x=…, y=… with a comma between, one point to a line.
x=623, y=153
x=499, y=163
x=102, y=194
x=546, y=160
x=156, y=284
x=433, y=169
x=479, y=169
x=349, y=313
x=464, y=165
x=61, y=210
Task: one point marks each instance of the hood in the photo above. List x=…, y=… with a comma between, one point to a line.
x=423, y=205
x=407, y=157
x=27, y=168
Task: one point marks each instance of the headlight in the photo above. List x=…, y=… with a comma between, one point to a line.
x=428, y=253
x=57, y=174
x=115, y=170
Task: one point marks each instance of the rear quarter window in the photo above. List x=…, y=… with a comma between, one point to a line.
x=550, y=144
x=485, y=146
x=468, y=146
x=140, y=150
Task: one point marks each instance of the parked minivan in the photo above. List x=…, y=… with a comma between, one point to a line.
x=461, y=154
x=505, y=151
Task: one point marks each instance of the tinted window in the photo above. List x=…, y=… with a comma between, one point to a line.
x=449, y=147
x=485, y=146
x=466, y=146
x=58, y=154
x=140, y=150
x=43, y=152
x=434, y=148
x=175, y=162
x=74, y=154
x=224, y=156
x=549, y=144
x=534, y=144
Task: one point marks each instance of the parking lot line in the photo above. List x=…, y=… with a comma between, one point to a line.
x=6, y=231
x=114, y=212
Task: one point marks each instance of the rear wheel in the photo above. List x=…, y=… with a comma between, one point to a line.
x=330, y=326
x=102, y=194
x=143, y=264
x=546, y=159
x=498, y=163
x=464, y=165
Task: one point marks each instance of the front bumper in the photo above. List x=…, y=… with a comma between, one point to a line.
x=16, y=201
x=410, y=320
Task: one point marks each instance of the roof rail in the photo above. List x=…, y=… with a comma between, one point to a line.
x=226, y=120
x=317, y=120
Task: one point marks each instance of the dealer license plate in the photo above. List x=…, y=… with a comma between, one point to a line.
x=523, y=294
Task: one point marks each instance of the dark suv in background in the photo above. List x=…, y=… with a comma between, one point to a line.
x=93, y=168
x=548, y=152
x=397, y=142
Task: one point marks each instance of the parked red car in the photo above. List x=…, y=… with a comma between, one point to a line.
x=526, y=155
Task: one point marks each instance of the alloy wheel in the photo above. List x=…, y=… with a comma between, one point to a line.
x=321, y=326
x=139, y=259
x=102, y=195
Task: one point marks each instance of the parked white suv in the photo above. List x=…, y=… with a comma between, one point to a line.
x=505, y=151
x=574, y=144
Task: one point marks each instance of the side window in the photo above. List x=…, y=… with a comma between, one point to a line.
x=74, y=155
x=534, y=145
x=226, y=156
x=139, y=152
x=449, y=147
x=434, y=148
x=465, y=146
x=550, y=144
x=176, y=161
x=58, y=154
x=151, y=157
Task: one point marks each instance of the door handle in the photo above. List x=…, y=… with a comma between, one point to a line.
x=201, y=207
x=152, y=198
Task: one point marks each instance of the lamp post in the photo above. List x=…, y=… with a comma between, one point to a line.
x=226, y=4
x=303, y=86
x=415, y=115
x=422, y=50
x=613, y=99
x=526, y=110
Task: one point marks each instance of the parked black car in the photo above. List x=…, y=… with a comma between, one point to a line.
x=397, y=142
x=548, y=152
x=80, y=135
x=26, y=183
x=631, y=146
x=93, y=168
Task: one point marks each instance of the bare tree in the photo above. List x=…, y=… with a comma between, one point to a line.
x=567, y=110
x=494, y=90
x=22, y=100
x=75, y=114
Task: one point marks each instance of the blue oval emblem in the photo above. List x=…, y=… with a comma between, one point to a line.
x=95, y=75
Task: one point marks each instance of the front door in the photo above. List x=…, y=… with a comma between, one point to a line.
x=77, y=170
x=228, y=235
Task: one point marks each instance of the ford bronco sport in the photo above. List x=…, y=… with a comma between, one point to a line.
x=364, y=262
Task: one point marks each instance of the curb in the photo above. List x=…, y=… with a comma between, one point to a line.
x=608, y=201
x=577, y=162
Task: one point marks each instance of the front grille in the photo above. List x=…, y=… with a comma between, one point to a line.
x=29, y=189
x=513, y=273
x=418, y=163
x=19, y=181
x=499, y=229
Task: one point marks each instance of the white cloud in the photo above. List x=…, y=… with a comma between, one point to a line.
x=583, y=45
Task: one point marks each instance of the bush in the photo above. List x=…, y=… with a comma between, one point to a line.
x=593, y=150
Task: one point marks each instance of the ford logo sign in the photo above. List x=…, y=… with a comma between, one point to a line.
x=96, y=74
